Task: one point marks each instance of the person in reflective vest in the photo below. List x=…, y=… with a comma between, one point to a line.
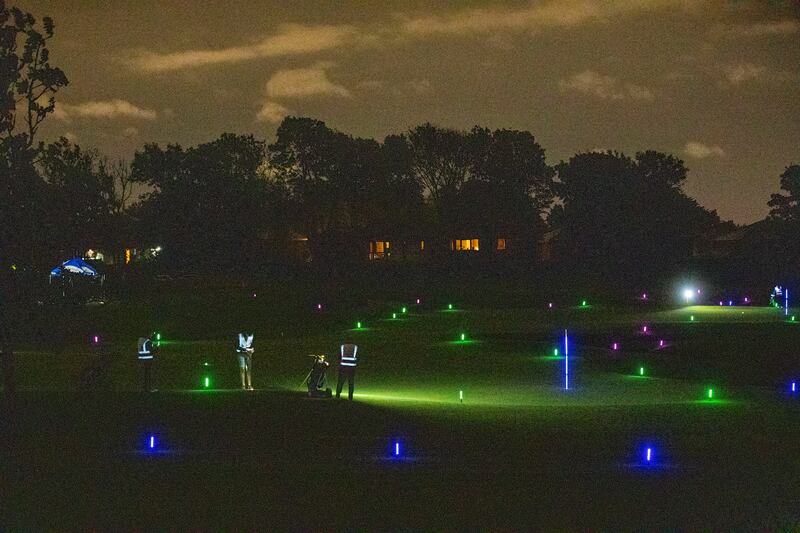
x=348, y=362
x=146, y=352
x=244, y=350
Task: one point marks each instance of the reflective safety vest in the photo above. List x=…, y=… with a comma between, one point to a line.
x=245, y=343
x=145, y=348
x=349, y=355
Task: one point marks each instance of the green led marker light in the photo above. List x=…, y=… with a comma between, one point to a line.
x=641, y=371
x=691, y=318
x=207, y=382
x=555, y=352
x=583, y=303
x=463, y=336
x=404, y=310
x=710, y=394
x=394, y=315
x=358, y=325
x=461, y=396
x=450, y=307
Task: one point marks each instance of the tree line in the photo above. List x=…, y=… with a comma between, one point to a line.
x=237, y=201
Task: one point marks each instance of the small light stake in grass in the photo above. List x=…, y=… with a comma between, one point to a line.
x=152, y=442
x=583, y=303
x=397, y=449
x=206, y=382
x=319, y=307
x=794, y=386
x=461, y=396
x=615, y=346
x=555, y=352
x=394, y=315
x=641, y=371
x=358, y=325
x=644, y=329
x=417, y=301
x=648, y=455
x=566, y=361
x=404, y=310
x=550, y=305
x=710, y=394
x=463, y=337
x=661, y=344
x=96, y=340
x=691, y=318
x=449, y=307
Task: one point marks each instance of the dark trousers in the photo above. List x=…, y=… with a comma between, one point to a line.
x=147, y=374
x=346, y=373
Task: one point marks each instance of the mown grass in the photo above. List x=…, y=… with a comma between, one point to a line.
x=518, y=452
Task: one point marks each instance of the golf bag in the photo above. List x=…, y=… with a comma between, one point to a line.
x=316, y=381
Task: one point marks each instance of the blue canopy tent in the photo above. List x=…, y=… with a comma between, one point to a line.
x=75, y=268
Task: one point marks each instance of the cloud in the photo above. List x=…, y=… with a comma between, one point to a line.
x=291, y=39
x=759, y=29
x=272, y=113
x=606, y=87
x=108, y=109
x=698, y=150
x=741, y=72
x=542, y=15
x=304, y=82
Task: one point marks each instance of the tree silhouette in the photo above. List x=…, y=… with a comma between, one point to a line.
x=627, y=216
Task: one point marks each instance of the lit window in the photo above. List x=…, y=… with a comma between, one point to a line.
x=127, y=255
x=501, y=244
x=422, y=245
x=378, y=249
x=463, y=245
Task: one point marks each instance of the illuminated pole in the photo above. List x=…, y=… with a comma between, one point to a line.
x=786, y=302
x=566, y=361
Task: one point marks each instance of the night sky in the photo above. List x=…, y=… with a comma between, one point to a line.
x=716, y=83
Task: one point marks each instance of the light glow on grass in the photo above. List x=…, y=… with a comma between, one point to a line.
x=358, y=325
x=394, y=315
x=794, y=386
x=691, y=318
x=710, y=394
x=641, y=371
x=584, y=303
x=449, y=307
x=648, y=455
x=461, y=396
x=463, y=337
x=404, y=310
x=397, y=449
x=206, y=382
x=615, y=346
x=151, y=442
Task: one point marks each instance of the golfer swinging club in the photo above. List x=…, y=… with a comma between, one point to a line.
x=347, y=369
x=245, y=352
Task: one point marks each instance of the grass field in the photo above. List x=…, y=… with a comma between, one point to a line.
x=519, y=452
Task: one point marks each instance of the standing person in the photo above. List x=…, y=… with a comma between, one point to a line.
x=146, y=351
x=347, y=368
x=244, y=349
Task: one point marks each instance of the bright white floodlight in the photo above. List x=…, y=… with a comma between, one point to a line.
x=688, y=294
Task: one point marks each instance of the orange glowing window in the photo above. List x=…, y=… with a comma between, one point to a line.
x=501, y=244
x=127, y=255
